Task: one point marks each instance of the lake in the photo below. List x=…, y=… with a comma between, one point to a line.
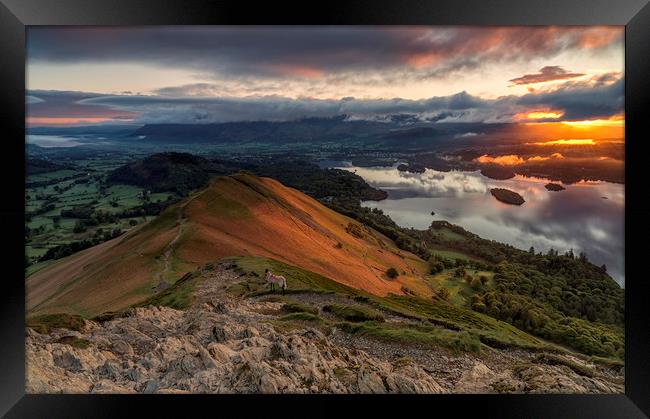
x=587, y=216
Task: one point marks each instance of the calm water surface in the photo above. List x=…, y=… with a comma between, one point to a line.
x=587, y=216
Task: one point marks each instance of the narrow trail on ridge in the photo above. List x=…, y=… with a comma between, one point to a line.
x=167, y=255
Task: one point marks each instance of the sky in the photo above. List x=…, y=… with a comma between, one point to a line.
x=547, y=76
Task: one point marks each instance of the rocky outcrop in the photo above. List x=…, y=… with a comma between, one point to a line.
x=217, y=346
x=532, y=378
x=187, y=357
x=224, y=344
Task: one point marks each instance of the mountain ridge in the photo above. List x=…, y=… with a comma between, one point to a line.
x=235, y=215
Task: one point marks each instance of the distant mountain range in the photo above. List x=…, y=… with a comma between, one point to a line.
x=95, y=130
x=307, y=130
x=394, y=131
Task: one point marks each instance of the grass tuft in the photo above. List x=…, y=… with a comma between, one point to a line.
x=178, y=296
x=427, y=335
x=74, y=341
x=353, y=313
x=305, y=317
x=607, y=362
x=46, y=322
x=296, y=307
x=551, y=359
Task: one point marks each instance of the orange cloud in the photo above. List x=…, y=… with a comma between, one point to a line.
x=514, y=160
x=538, y=158
x=509, y=160
x=541, y=114
x=65, y=121
x=298, y=70
x=599, y=37
x=548, y=73
x=424, y=59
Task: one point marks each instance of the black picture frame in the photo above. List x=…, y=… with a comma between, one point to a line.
x=15, y=15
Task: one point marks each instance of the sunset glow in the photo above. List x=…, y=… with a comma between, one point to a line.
x=582, y=141
x=508, y=160
x=543, y=132
x=515, y=160
x=67, y=121
x=539, y=115
x=612, y=122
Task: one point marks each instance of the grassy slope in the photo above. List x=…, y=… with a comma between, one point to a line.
x=441, y=323
x=487, y=329
x=109, y=276
x=235, y=216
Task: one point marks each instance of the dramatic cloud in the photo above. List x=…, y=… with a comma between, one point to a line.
x=274, y=108
x=572, y=102
x=312, y=52
x=548, y=73
x=398, y=74
x=580, y=100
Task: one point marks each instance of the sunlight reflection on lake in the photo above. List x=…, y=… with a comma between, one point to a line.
x=578, y=217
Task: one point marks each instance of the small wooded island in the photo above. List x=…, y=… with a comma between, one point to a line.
x=507, y=196
x=555, y=187
x=411, y=168
x=497, y=173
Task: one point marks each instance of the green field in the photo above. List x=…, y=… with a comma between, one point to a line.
x=70, y=188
